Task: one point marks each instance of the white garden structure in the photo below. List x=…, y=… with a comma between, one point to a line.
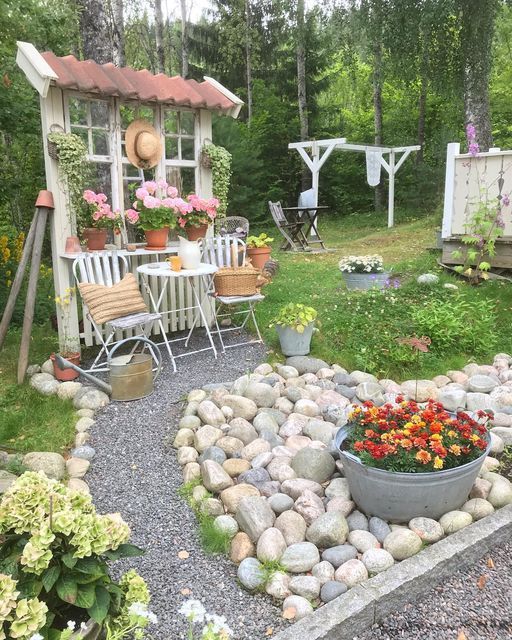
x=316, y=152
x=98, y=102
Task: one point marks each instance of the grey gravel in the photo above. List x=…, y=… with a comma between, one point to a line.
x=457, y=605
x=136, y=473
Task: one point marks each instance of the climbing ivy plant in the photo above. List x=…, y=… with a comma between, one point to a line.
x=220, y=161
x=74, y=171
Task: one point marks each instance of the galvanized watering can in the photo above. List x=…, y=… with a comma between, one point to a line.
x=131, y=375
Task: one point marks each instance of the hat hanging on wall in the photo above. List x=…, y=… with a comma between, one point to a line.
x=143, y=144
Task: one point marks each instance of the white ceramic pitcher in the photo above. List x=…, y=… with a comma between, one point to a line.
x=189, y=252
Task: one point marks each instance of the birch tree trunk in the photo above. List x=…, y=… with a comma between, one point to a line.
x=476, y=36
x=184, y=39
x=159, y=36
x=422, y=102
x=377, y=111
x=118, y=33
x=94, y=31
x=248, y=59
x=301, y=84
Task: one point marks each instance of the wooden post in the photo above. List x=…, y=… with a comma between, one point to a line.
x=44, y=204
x=452, y=149
x=18, y=280
x=391, y=189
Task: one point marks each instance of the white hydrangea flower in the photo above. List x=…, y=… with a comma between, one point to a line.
x=193, y=610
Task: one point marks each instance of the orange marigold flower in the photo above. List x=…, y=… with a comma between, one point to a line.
x=455, y=449
x=406, y=443
x=359, y=446
x=423, y=456
x=436, y=427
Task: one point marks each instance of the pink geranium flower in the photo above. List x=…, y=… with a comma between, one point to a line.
x=89, y=196
x=151, y=203
x=141, y=193
x=172, y=192
x=150, y=186
x=132, y=216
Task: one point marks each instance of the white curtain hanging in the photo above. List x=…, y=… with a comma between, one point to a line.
x=373, y=166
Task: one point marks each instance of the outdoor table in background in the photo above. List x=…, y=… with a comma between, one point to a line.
x=312, y=215
x=204, y=274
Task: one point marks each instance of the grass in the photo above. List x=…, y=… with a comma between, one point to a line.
x=360, y=330
x=29, y=421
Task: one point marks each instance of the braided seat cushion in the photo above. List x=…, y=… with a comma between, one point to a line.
x=108, y=303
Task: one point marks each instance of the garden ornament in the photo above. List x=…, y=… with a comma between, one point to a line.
x=373, y=166
x=143, y=145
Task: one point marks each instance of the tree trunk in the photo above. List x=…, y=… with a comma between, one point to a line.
x=248, y=59
x=422, y=102
x=377, y=112
x=301, y=84
x=94, y=31
x=159, y=36
x=184, y=39
x=476, y=36
x=118, y=33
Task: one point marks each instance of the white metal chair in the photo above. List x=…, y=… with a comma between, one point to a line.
x=219, y=251
x=107, y=268
x=237, y=226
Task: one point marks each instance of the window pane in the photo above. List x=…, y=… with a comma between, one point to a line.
x=146, y=113
x=171, y=148
x=127, y=115
x=100, y=143
x=188, y=149
x=183, y=178
x=99, y=114
x=82, y=133
x=187, y=122
x=129, y=171
x=101, y=179
x=77, y=111
x=170, y=121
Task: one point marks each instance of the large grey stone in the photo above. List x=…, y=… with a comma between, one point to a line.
x=482, y=383
x=370, y=391
x=53, y=464
x=67, y=390
x=265, y=422
x=297, y=486
x=280, y=502
x=338, y=488
x=501, y=490
x=214, y=477
x=6, y=480
x=213, y=453
x=279, y=469
x=363, y=540
x=85, y=451
x=351, y=573
x=377, y=560
x=505, y=433
x=250, y=573
x=429, y=530
x=226, y=524
x=478, y=508
x=380, y=528
x=402, y=543
x=271, y=545
x=331, y=590
x=232, y=496
x=313, y=464
x=210, y=413
x=261, y=394
x=310, y=506
x=324, y=571
x=44, y=383
x=452, y=399
x=477, y=401
x=339, y=555
x=278, y=585
x=305, y=364
x=254, y=476
x=300, y=557
x=455, y=520
x=293, y=527
x=90, y=398
x=299, y=606
x=243, y=430
x=419, y=390
x=357, y=520
x=319, y=430
x=206, y=437
x=329, y=530
x=306, y=586
x=254, y=515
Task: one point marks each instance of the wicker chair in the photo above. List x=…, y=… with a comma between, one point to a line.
x=237, y=226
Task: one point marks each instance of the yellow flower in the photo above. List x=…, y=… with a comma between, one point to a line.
x=474, y=438
x=452, y=433
x=438, y=463
x=57, y=300
x=455, y=449
x=9, y=282
x=436, y=436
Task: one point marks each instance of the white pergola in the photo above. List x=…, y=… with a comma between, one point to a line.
x=315, y=153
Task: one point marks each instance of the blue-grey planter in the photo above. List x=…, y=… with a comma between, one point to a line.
x=365, y=281
x=399, y=497
x=294, y=343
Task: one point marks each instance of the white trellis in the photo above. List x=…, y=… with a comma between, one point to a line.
x=316, y=152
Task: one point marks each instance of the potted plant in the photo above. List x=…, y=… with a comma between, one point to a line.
x=155, y=210
x=54, y=564
x=69, y=345
x=258, y=249
x=295, y=324
x=102, y=218
x=407, y=460
x=200, y=213
x=363, y=272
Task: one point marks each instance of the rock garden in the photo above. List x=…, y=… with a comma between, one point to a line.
x=258, y=457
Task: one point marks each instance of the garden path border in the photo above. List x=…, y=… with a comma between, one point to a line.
x=367, y=604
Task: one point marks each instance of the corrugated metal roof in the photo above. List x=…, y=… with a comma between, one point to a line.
x=108, y=80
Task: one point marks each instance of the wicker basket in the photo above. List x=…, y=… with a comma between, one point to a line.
x=241, y=281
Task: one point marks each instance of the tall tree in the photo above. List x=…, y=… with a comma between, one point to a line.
x=477, y=31
x=95, y=31
x=159, y=36
x=117, y=28
x=184, y=39
x=248, y=59
x=301, y=84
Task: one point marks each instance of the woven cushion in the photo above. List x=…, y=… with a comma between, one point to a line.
x=108, y=303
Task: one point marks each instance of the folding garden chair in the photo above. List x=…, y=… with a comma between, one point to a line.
x=219, y=251
x=228, y=226
x=291, y=230
x=108, y=268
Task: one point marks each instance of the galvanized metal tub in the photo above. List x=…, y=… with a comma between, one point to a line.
x=399, y=497
x=294, y=343
x=365, y=281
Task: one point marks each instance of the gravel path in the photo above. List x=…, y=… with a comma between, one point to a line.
x=465, y=607
x=136, y=473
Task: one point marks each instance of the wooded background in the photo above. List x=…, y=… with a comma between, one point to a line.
x=392, y=72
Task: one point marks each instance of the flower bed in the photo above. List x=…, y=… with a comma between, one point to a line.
x=257, y=457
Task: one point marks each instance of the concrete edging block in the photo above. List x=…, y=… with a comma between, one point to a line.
x=369, y=602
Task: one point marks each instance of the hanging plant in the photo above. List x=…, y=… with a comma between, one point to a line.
x=218, y=159
x=74, y=170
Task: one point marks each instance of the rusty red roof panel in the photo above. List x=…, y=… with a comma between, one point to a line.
x=108, y=80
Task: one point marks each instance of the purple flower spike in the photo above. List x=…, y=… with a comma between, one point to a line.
x=505, y=200
x=474, y=149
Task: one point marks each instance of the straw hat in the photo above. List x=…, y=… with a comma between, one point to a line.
x=143, y=145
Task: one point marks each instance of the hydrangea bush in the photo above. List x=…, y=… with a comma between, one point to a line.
x=55, y=549
x=361, y=264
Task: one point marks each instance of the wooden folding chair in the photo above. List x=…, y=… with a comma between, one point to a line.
x=294, y=238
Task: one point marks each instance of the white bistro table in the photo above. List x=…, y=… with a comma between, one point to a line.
x=204, y=275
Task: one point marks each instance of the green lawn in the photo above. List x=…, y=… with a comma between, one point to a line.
x=29, y=421
x=361, y=330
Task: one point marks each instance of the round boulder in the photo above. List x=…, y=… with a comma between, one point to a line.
x=313, y=464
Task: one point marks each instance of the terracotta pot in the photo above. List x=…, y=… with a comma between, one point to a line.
x=66, y=374
x=196, y=233
x=73, y=245
x=96, y=238
x=156, y=238
x=258, y=256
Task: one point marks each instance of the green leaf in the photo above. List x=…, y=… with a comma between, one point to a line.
x=90, y=565
x=459, y=269
x=472, y=255
x=50, y=577
x=86, y=596
x=69, y=560
x=484, y=266
x=67, y=589
x=99, y=610
x=124, y=551
x=457, y=254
